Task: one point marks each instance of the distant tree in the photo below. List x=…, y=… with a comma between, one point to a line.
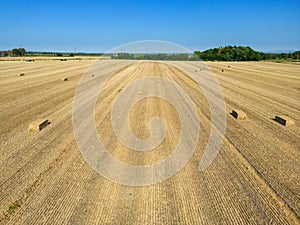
x=16, y=52
x=296, y=55
x=59, y=54
x=23, y=51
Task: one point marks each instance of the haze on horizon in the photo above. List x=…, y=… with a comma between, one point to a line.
x=98, y=26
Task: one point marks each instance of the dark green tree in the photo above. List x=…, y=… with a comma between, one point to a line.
x=16, y=52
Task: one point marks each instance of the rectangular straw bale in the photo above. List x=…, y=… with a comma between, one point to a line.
x=38, y=125
x=238, y=114
x=284, y=120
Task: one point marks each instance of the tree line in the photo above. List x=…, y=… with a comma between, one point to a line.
x=159, y=56
x=241, y=53
x=13, y=52
x=22, y=52
x=65, y=54
x=227, y=53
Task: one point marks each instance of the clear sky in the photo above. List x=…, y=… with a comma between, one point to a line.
x=98, y=26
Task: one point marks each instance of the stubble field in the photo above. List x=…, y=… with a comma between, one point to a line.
x=255, y=177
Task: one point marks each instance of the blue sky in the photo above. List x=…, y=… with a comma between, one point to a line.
x=98, y=26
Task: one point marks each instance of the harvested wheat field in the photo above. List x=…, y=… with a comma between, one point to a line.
x=255, y=178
